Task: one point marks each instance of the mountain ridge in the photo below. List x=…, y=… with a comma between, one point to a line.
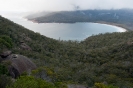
x=122, y=17
x=101, y=58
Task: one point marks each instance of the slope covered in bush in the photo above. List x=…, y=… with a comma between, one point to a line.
x=101, y=58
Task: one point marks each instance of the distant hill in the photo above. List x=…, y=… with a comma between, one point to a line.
x=104, y=58
x=121, y=17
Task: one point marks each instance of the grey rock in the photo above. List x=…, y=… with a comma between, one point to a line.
x=18, y=64
x=25, y=46
x=5, y=54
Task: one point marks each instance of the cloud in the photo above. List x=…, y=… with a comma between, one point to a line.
x=57, y=5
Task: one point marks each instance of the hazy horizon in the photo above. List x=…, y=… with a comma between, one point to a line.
x=61, y=5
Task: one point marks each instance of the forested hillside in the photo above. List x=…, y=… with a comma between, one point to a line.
x=101, y=60
x=120, y=17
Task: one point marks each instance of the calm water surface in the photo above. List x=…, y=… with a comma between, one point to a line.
x=66, y=31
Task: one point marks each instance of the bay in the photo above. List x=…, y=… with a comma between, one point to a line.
x=65, y=31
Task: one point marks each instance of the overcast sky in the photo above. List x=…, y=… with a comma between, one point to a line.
x=58, y=5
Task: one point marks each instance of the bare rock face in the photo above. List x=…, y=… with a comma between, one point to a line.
x=5, y=54
x=18, y=64
x=25, y=46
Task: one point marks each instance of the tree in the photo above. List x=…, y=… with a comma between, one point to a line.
x=30, y=82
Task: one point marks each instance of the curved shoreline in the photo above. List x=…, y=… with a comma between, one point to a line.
x=120, y=29
x=117, y=26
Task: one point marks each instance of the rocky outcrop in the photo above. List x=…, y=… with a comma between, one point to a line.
x=24, y=46
x=5, y=54
x=18, y=64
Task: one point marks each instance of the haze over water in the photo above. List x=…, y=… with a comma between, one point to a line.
x=64, y=31
x=14, y=9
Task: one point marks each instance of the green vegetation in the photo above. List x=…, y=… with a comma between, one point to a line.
x=120, y=17
x=101, y=58
x=31, y=82
x=5, y=42
x=101, y=85
x=3, y=70
x=5, y=81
